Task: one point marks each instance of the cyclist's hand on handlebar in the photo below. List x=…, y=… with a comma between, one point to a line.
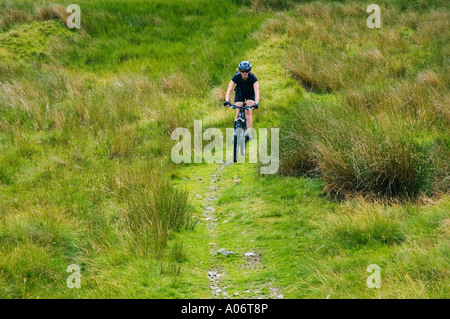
x=226, y=103
x=256, y=105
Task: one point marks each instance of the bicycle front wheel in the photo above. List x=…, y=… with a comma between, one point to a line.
x=235, y=148
x=238, y=139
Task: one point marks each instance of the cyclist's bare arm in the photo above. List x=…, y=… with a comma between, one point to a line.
x=256, y=89
x=230, y=88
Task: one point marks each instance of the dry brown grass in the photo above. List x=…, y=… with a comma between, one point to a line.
x=13, y=16
x=124, y=142
x=322, y=76
x=177, y=84
x=45, y=13
x=60, y=12
x=329, y=53
x=429, y=77
x=218, y=95
x=369, y=167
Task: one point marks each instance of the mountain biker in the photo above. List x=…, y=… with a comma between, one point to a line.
x=246, y=90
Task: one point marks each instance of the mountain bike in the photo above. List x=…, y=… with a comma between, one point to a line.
x=240, y=126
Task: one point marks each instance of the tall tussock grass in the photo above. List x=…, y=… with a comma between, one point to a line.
x=375, y=163
x=124, y=142
x=53, y=11
x=333, y=48
x=354, y=154
x=11, y=16
x=387, y=134
x=27, y=11
x=152, y=208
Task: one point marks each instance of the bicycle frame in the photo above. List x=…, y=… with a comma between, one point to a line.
x=240, y=126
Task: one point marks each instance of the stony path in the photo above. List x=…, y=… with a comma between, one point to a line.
x=217, y=275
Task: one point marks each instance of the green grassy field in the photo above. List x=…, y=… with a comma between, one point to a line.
x=86, y=176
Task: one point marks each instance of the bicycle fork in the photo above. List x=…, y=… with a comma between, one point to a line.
x=239, y=142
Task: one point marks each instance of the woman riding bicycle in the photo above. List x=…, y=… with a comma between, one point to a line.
x=247, y=90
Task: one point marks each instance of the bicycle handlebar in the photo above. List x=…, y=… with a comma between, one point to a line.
x=234, y=106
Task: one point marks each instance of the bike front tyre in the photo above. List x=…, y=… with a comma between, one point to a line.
x=235, y=148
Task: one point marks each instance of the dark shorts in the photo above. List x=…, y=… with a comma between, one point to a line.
x=240, y=97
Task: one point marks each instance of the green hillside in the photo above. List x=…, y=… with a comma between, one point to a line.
x=87, y=179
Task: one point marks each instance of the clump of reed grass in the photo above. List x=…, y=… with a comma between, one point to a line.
x=45, y=13
x=124, y=142
x=60, y=12
x=153, y=208
x=355, y=154
x=381, y=138
x=13, y=16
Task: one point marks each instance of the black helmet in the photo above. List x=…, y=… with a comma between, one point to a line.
x=245, y=65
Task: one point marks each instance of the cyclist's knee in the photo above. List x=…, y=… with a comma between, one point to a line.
x=250, y=102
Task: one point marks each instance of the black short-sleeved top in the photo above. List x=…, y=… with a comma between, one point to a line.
x=246, y=87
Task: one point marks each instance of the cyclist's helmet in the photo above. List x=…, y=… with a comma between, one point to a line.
x=245, y=65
